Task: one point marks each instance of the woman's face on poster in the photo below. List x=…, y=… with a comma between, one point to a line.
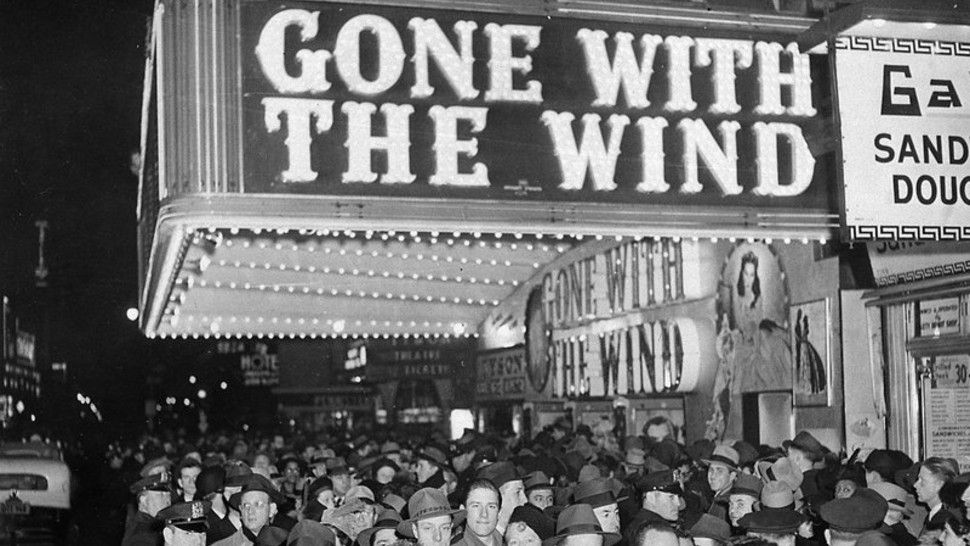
x=748, y=273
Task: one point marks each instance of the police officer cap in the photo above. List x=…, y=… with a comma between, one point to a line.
x=155, y=482
x=188, y=516
x=664, y=480
x=861, y=512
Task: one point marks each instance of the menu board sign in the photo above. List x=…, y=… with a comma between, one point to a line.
x=946, y=409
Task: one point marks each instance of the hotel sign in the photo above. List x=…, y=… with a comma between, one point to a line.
x=344, y=99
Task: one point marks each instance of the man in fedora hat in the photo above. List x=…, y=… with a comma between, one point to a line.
x=538, y=489
x=431, y=518
x=807, y=454
x=384, y=531
x=897, y=510
x=634, y=461
x=743, y=498
x=577, y=526
x=722, y=471
x=601, y=495
x=258, y=503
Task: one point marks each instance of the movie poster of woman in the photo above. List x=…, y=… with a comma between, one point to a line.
x=753, y=344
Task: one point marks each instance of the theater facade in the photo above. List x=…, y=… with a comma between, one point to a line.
x=629, y=209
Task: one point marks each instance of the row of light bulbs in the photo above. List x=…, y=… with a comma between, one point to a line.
x=312, y=335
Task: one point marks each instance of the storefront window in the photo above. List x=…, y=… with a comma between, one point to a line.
x=418, y=402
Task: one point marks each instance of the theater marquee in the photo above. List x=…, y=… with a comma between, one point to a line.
x=342, y=99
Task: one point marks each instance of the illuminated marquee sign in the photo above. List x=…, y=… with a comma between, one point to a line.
x=372, y=100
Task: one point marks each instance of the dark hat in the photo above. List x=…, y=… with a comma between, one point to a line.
x=386, y=519
x=747, y=453
x=579, y=519
x=536, y=519
x=316, y=486
x=384, y=461
x=390, y=447
x=211, y=480
x=907, y=477
x=258, y=483
x=665, y=481
x=861, y=512
x=311, y=533
x=895, y=496
x=428, y=503
x=724, y=455
x=154, y=482
x=318, y=459
x=188, y=516
x=746, y=484
x=337, y=466
x=433, y=455
x=596, y=493
x=806, y=442
x=666, y=451
x=589, y=472
x=700, y=450
x=711, y=527
x=499, y=473
x=536, y=480
x=164, y=462
x=237, y=473
x=772, y=520
x=361, y=492
x=887, y=462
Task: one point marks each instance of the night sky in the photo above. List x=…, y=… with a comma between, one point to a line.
x=70, y=98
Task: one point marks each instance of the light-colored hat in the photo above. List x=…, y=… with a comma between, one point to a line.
x=427, y=503
x=724, y=455
x=894, y=495
x=777, y=495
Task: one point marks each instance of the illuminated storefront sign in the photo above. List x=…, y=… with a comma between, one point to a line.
x=500, y=374
x=903, y=103
x=374, y=100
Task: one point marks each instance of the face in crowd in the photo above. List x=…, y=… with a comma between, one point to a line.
x=720, y=477
x=424, y=470
x=513, y=494
x=739, y=506
x=187, y=478
x=590, y=539
x=928, y=487
x=609, y=517
x=482, y=505
x=152, y=502
x=540, y=498
x=292, y=471
x=384, y=475
x=256, y=510
x=434, y=531
x=384, y=537
x=342, y=482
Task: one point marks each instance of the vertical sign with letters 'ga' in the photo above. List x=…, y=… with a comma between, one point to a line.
x=904, y=108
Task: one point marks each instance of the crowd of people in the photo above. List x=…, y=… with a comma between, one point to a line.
x=565, y=486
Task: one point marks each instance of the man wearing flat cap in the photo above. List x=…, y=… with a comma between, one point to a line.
x=722, y=471
x=257, y=502
x=152, y=494
x=431, y=518
x=852, y=517
x=185, y=523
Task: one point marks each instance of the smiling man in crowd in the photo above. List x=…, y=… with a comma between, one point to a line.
x=431, y=518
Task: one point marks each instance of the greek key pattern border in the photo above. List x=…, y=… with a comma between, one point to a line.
x=904, y=45
x=925, y=273
x=909, y=233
